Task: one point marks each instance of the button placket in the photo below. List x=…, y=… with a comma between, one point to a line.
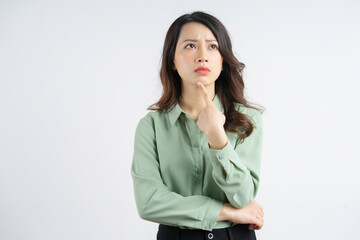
x=195, y=136
x=194, y=139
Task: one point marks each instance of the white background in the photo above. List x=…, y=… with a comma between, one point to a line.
x=76, y=77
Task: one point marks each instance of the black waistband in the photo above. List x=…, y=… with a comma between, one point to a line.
x=232, y=232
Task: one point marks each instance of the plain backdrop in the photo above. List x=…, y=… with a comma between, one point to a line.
x=77, y=76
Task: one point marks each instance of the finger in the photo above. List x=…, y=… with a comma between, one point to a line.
x=204, y=93
x=258, y=221
x=261, y=212
x=254, y=227
x=259, y=224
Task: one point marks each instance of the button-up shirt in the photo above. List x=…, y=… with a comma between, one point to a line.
x=180, y=181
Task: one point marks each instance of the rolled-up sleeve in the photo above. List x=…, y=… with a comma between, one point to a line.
x=154, y=201
x=241, y=164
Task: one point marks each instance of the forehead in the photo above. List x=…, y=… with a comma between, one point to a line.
x=195, y=30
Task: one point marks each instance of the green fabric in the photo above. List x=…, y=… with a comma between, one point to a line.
x=179, y=181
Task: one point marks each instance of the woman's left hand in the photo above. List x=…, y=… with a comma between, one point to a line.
x=211, y=121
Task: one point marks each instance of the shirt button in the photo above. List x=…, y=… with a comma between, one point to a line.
x=198, y=171
x=221, y=156
x=196, y=145
x=210, y=236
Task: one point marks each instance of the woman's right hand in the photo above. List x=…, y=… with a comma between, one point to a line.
x=252, y=214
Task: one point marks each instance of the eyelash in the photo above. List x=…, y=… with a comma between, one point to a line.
x=210, y=45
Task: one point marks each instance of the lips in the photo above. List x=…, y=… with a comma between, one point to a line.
x=202, y=69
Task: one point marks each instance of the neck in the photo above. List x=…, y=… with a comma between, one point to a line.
x=192, y=101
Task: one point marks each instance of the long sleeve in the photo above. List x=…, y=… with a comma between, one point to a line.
x=242, y=166
x=154, y=201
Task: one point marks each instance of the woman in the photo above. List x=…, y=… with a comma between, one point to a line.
x=196, y=161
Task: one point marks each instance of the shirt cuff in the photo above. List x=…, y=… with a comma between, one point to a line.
x=211, y=215
x=220, y=158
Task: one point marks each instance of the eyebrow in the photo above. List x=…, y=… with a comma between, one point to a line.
x=194, y=40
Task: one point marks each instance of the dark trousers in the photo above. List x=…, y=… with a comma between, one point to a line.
x=237, y=232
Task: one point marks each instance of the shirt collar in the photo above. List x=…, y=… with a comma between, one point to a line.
x=177, y=110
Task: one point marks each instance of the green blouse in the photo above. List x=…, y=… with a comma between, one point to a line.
x=179, y=181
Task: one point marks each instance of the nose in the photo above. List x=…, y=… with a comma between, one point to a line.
x=202, y=56
x=202, y=59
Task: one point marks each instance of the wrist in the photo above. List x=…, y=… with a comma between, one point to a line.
x=225, y=213
x=218, y=146
x=216, y=132
x=217, y=140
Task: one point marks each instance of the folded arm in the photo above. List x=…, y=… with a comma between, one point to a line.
x=154, y=201
x=236, y=169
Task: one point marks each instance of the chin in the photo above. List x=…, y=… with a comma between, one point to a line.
x=205, y=81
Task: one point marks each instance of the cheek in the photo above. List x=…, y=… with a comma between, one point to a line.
x=218, y=60
x=183, y=59
x=218, y=57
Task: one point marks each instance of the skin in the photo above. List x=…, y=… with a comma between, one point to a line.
x=197, y=46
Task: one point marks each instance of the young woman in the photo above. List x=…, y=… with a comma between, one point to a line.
x=196, y=161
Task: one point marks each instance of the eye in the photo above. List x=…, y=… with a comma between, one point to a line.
x=213, y=46
x=190, y=44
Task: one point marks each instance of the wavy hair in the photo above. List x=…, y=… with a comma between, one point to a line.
x=229, y=86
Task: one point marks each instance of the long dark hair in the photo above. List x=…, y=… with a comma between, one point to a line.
x=229, y=86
